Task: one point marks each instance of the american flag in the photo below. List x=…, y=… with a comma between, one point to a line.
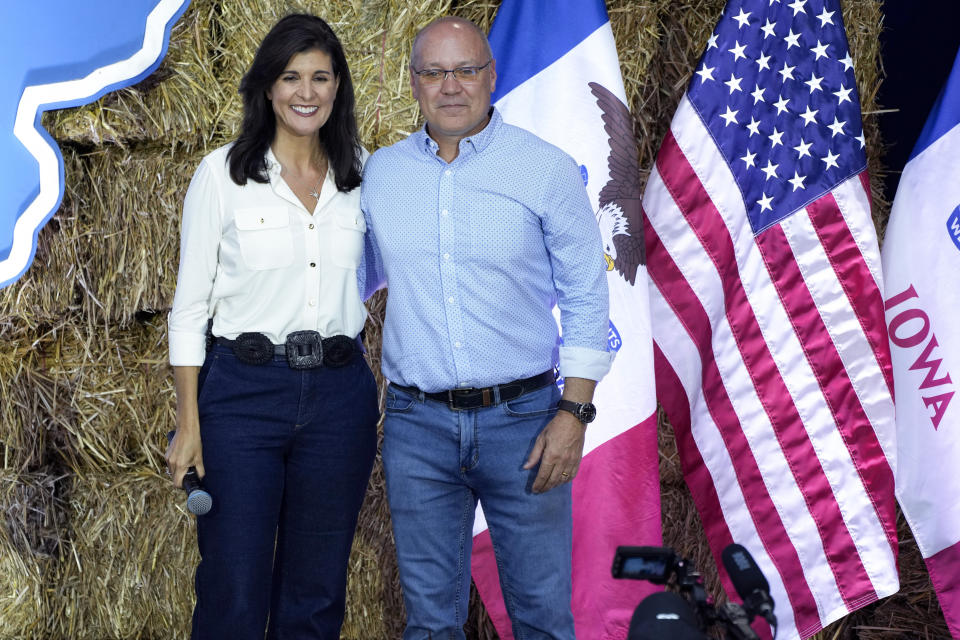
x=771, y=350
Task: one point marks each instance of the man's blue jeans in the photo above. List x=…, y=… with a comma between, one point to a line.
x=287, y=455
x=438, y=463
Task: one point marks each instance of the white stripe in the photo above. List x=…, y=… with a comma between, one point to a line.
x=859, y=359
x=854, y=204
x=35, y=97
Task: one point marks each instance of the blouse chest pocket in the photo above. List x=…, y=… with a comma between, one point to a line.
x=265, y=237
x=346, y=239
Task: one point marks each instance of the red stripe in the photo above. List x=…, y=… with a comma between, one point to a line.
x=855, y=278
x=672, y=397
x=705, y=221
x=944, y=567
x=616, y=501
x=483, y=568
x=824, y=359
x=678, y=294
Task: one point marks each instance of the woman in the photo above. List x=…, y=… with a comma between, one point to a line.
x=278, y=410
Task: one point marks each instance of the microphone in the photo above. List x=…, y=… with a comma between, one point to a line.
x=664, y=615
x=199, y=502
x=749, y=582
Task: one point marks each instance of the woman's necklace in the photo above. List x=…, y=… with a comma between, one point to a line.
x=316, y=190
x=315, y=194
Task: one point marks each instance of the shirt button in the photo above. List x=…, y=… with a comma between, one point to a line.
x=448, y=172
x=313, y=303
x=458, y=344
x=445, y=212
x=446, y=256
x=310, y=226
x=313, y=264
x=450, y=299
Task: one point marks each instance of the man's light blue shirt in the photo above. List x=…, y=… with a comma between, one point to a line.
x=476, y=253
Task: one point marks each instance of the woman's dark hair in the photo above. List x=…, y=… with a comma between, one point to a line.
x=292, y=35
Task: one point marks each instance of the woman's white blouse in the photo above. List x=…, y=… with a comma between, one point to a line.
x=254, y=259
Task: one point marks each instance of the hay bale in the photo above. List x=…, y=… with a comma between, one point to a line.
x=127, y=569
x=25, y=391
x=130, y=217
x=112, y=248
x=54, y=285
x=180, y=102
x=118, y=392
x=30, y=542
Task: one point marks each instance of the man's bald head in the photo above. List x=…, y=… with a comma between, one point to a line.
x=454, y=22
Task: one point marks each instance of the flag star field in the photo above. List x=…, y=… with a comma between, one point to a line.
x=777, y=91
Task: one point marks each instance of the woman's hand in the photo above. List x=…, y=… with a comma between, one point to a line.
x=183, y=452
x=185, y=449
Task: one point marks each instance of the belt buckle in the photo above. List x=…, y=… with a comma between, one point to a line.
x=304, y=350
x=451, y=402
x=486, y=398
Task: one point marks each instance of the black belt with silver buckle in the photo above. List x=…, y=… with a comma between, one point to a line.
x=303, y=349
x=471, y=398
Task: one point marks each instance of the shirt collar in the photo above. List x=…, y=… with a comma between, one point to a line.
x=273, y=165
x=479, y=141
x=282, y=189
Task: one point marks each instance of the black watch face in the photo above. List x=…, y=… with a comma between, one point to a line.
x=587, y=412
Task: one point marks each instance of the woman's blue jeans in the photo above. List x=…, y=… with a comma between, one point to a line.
x=438, y=463
x=287, y=455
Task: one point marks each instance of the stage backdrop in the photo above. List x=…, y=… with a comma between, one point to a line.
x=94, y=543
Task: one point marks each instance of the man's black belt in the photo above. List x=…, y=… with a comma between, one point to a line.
x=303, y=349
x=471, y=398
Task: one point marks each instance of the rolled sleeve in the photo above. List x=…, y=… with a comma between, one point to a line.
x=199, y=241
x=577, y=362
x=576, y=255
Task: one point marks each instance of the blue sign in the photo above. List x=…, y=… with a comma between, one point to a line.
x=57, y=54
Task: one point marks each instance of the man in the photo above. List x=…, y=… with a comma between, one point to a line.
x=479, y=229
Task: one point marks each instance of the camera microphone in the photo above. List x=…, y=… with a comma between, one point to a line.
x=664, y=615
x=199, y=502
x=749, y=582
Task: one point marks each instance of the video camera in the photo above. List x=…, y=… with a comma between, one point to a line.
x=687, y=613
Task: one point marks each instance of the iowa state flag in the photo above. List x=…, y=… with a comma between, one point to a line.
x=921, y=266
x=558, y=76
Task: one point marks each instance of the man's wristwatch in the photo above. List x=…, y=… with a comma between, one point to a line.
x=585, y=412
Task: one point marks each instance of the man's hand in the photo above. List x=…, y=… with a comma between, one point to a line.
x=558, y=449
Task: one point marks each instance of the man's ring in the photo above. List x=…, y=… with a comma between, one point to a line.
x=564, y=474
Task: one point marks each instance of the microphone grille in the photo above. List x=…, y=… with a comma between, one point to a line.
x=199, y=502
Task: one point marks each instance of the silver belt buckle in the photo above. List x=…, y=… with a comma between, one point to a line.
x=304, y=350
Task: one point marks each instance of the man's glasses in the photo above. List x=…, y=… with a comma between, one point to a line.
x=462, y=74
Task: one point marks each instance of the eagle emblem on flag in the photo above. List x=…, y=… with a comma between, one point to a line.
x=619, y=217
